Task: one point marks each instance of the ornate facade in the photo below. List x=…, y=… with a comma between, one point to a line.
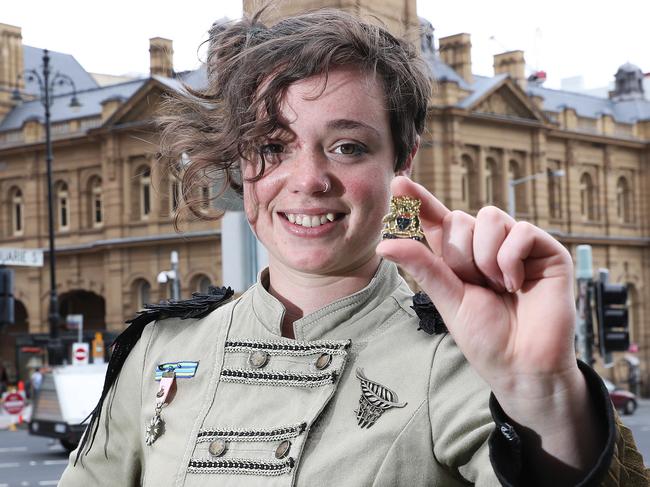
x=586, y=160
x=113, y=204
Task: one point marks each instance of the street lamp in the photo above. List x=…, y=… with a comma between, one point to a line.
x=512, y=203
x=47, y=86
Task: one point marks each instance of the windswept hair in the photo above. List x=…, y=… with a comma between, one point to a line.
x=249, y=68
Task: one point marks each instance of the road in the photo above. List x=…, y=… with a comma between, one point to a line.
x=27, y=461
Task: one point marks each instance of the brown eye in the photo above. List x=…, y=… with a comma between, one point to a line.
x=350, y=149
x=271, y=149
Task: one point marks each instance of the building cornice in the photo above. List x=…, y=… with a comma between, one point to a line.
x=131, y=242
x=594, y=239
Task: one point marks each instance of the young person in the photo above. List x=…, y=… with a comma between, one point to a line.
x=319, y=374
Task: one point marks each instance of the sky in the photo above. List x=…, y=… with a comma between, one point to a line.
x=565, y=38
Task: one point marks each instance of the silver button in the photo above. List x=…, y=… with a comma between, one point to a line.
x=217, y=448
x=283, y=449
x=258, y=359
x=323, y=361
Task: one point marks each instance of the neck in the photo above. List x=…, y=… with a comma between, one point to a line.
x=302, y=294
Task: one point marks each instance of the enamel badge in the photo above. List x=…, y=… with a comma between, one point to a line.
x=403, y=221
x=374, y=400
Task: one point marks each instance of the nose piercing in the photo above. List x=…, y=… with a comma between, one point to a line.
x=326, y=188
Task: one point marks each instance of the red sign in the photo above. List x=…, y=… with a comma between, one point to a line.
x=80, y=354
x=14, y=403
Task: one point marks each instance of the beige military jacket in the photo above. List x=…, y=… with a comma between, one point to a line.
x=360, y=398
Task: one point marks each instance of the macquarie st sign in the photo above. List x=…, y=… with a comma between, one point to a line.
x=22, y=257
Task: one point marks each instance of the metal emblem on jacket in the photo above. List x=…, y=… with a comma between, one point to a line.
x=374, y=400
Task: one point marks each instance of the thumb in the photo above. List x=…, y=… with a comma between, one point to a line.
x=431, y=272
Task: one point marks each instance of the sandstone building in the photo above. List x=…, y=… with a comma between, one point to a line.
x=589, y=157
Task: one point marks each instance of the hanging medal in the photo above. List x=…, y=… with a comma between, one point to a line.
x=156, y=426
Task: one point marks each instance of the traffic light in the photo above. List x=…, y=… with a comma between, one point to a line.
x=6, y=297
x=611, y=307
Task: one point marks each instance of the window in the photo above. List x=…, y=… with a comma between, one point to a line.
x=587, y=197
x=145, y=193
x=624, y=201
x=174, y=196
x=62, y=207
x=515, y=172
x=468, y=189
x=554, y=191
x=17, y=212
x=96, y=205
x=142, y=290
x=203, y=283
x=491, y=181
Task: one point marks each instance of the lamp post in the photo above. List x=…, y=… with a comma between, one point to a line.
x=512, y=203
x=47, y=86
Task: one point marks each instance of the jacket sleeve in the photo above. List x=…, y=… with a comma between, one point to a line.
x=619, y=462
x=115, y=456
x=460, y=417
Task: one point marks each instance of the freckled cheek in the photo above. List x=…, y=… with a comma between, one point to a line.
x=371, y=198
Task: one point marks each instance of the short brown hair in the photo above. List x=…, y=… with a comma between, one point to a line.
x=250, y=66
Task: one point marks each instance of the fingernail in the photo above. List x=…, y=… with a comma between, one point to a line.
x=508, y=283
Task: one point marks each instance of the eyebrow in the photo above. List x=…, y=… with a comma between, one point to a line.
x=345, y=124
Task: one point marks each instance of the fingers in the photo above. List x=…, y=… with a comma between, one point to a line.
x=528, y=253
x=457, y=246
x=491, y=229
x=491, y=248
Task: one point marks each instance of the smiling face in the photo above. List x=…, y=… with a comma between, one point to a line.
x=319, y=205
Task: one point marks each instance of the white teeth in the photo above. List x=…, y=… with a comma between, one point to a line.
x=310, y=220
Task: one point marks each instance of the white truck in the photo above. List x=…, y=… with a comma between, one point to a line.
x=67, y=396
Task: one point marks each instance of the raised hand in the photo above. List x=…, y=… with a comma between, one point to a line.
x=505, y=291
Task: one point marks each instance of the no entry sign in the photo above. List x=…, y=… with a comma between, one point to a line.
x=14, y=403
x=80, y=353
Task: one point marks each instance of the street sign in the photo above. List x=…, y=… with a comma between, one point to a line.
x=74, y=322
x=22, y=257
x=80, y=353
x=14, y=403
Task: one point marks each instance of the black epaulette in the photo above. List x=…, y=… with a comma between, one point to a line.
x=198, y=306
x=430, y=320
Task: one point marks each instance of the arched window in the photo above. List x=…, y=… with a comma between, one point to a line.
x=174, y=195
x=624, y=200
x=469, y=196
x=515, y=172
x=96, y=203
x=491, y=181
x=17, y=208
x=144, y=192
x=587, y=197
x=201, y=283
x=142, y=293
x=62, y=204
x=554, y=189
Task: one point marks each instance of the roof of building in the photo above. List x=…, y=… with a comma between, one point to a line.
x=59, y=62
x=91, y=95
x=90, y=99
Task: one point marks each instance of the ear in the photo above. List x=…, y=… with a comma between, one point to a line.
x=408, y=165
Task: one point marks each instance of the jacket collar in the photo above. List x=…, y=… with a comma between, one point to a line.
x=340, y=319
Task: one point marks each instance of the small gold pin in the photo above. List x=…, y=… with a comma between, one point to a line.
x=403, y=221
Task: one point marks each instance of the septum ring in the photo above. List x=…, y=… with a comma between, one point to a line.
x=327, y=187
